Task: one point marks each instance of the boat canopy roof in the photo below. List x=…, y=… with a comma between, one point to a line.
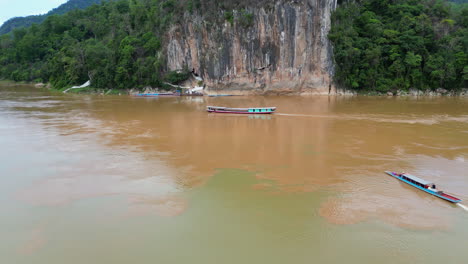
x=416, y=179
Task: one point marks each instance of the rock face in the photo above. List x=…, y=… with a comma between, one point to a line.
x=281, y=48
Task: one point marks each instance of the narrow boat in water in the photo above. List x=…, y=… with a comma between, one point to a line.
x=251, y=110
x=156, y=94
x=423, y=185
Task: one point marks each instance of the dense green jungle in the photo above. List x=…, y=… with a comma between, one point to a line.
x=378, y=45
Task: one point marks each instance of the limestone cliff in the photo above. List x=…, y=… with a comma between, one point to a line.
x=282, y=48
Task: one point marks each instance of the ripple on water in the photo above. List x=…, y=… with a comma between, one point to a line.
x=368, y=193
x=402, y=208
x=35, y=240
x=440, y=147
x=90, y=169
x=423, y=120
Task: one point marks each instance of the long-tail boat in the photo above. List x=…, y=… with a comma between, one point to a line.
x=251, y=110
x=423, y=185
x=156, y=94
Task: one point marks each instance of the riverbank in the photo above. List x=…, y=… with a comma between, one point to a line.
x=339, y=92
x=91, y=90
x=411, y=92
x=415, y=92
x=13, y=83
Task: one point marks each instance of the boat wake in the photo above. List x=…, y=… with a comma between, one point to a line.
x=463, y=206
x=300, y=115
x=433, y=120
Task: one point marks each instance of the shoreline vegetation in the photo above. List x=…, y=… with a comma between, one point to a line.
x=341, y=92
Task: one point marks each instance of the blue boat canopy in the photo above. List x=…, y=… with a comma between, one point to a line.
x=416, y=179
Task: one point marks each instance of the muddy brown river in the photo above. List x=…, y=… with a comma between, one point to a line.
x=120, y=179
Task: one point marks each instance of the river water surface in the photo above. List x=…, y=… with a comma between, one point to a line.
x=117, y=179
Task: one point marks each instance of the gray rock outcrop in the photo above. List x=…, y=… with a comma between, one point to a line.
x=282, y=49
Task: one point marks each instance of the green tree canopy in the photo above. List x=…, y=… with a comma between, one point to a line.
x=388, y=45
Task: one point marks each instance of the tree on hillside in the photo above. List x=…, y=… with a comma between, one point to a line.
x=390, y=45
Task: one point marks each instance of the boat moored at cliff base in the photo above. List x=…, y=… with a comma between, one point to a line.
x=156, y=94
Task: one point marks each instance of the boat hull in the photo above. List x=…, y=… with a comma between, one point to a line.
x=441, y=195
x=246, y=111
x=157, y=94
x=235, y=112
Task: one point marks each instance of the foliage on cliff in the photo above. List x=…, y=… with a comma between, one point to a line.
x=117, y=44
x=19, y=22
x=384, y=45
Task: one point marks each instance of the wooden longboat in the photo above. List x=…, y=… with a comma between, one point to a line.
x=250, y=110
x=423, y=185
x=156, y=94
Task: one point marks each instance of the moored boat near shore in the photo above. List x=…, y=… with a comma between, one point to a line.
x=250, y=110
x=423, y=185
x=156, y=94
